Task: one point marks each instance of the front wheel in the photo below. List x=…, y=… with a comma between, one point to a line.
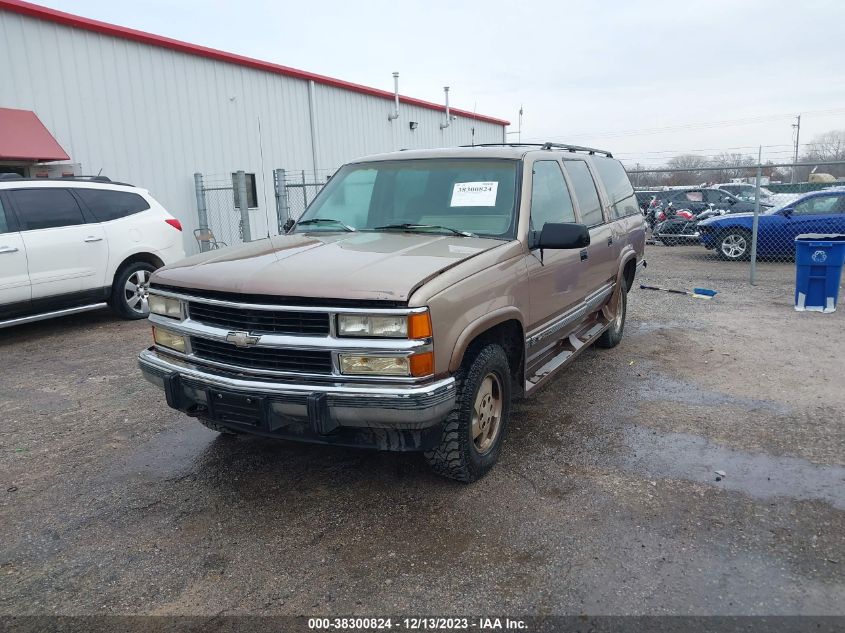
x=734, y=245
x=473, y=432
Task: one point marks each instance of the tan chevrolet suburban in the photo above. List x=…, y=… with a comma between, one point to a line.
x=418, y=294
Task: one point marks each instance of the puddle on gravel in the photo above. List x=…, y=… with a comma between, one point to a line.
x=166, y=455
x=638, y=328
x=658, y=387
x=759, y=475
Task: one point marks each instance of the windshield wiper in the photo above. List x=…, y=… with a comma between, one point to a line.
x=345, y=226
x=410, y=226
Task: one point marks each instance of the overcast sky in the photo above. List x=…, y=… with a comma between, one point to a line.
x=643, y=79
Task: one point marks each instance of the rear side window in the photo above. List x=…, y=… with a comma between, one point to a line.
x=4, y=224
x=585, y=192
x=45, y=208
x=112, y=205
x=550, y=200
x=618, y=186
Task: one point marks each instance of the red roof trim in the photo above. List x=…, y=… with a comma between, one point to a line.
x=68, y=19
x=24, y=137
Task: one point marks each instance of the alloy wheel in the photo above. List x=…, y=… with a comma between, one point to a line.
x=734, y=246
x=137, y=291
x=487, y=413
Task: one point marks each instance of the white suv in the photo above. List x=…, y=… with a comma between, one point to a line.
x=73, y=245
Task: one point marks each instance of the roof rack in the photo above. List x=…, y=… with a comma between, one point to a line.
x=103, y=179
x=547, y=146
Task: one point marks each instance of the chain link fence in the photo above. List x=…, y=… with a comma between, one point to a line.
x=744, y=223
x=223, y=205
x=295, y=190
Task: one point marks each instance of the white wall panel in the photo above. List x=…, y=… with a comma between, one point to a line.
x=154, y=116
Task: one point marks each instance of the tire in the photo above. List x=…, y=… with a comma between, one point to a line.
x=214, y=426
x=470, y=443
x=734, y=245
x=612, y=335
x=130, y=289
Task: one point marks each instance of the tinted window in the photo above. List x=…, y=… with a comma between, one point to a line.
x=550, y=200
x=111, y=205
x=617, y=185
x=585, y=192
x=715, y=196
x=46, y=208
x=821, y=205
x=4, y=225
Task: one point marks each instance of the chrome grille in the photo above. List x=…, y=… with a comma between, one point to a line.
x=260, y=321
x=263, y=358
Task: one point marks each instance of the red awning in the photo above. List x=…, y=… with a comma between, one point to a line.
x=24, y=137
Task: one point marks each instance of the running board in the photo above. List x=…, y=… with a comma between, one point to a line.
x=49, y=315
x=569, y=348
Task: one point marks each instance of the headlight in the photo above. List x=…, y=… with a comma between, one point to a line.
x=417, y=365
x=166, y=338
x=374, y=365
x=165, y=306
x=379, y=326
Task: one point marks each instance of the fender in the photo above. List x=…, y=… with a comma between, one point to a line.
x=627, y=255
x=482, y=324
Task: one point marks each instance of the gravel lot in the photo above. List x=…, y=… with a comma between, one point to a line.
x=605, y=501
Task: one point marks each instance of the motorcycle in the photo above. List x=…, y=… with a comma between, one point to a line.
x=682, y=226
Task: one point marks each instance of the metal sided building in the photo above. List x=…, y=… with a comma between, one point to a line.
x=83, y=97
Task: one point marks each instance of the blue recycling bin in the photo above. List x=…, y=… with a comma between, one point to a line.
x=818, y=270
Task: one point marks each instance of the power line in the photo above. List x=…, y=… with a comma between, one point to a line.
x=690, y=126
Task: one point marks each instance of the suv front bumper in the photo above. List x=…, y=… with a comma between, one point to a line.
x=378, y=415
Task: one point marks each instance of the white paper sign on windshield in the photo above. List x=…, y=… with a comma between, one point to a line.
x=474, y=194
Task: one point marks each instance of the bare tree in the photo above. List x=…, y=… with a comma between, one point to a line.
x=733, y=165
x=825, y=147
x=692, y=164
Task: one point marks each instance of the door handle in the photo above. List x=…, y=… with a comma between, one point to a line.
x=8, y=249
x=610, y=241
x=92, y=238
x=584, y=254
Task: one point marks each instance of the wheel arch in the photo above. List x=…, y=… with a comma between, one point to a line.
x=504, y=326
x=142, y=256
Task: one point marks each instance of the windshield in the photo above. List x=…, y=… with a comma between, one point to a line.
x=448, y=196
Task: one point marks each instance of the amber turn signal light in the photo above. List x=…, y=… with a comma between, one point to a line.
x=419, y=325
x=422, y=364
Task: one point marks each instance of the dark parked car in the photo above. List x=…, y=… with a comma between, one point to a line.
x=817, y=212
x=698, y=199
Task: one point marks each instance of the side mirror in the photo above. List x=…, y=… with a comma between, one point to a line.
x=787, y=212
x=562, y=235
x=288, y=225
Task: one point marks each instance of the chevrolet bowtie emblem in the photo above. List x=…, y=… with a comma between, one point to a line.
x=242, y=339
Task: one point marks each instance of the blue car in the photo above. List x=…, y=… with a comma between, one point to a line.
x=818, y=212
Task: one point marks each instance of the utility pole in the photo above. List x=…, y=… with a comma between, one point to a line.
x=518, y=131
x=797, y=126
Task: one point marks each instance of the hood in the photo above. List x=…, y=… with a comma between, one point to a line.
x=734, y=216
x=385, y=266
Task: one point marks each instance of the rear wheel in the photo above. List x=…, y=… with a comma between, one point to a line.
x=734, y=245
x=473, y=432
x=130, y=290
x=612, y=335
